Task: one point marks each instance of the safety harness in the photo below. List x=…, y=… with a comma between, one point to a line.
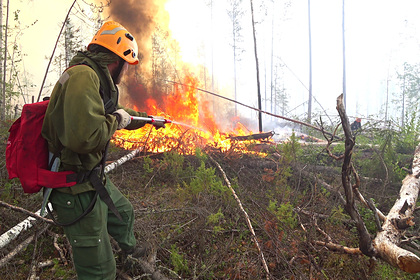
x=94, y=176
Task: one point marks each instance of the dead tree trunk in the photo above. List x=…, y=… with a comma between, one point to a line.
x=386, y=243
x=258, y=71
x=310, y=64
x=344, y=57
x=397, y=220
x=365, y=241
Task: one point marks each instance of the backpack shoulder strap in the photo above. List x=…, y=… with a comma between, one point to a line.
x=109, y=105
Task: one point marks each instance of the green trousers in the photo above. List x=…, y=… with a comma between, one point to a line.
x=92, y=253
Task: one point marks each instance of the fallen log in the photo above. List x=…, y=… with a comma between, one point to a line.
x=308, y=138
x=387, y=240
x=122, y=160
x=258, y=136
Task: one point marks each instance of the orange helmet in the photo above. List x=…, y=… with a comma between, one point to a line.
x=117, y=39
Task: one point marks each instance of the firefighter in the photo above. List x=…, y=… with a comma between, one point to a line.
x=356, y=125
x=82, y=115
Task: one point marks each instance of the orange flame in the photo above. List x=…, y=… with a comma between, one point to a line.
x=193, y=125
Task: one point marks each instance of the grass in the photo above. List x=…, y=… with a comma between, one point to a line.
x=184, y=209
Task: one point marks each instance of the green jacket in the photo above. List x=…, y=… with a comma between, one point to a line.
x=75, y=121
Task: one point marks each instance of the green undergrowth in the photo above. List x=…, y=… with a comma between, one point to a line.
x=199, y=221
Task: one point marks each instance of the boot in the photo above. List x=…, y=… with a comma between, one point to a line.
x=139, y=251
x=131, y=258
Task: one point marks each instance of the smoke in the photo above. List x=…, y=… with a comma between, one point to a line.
x=140, y=18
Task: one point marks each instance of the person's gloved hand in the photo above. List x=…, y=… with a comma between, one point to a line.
x=157, y=124
x=123, y=118
x=136, y=124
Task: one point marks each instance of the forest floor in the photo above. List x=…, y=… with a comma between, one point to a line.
x=186, y=210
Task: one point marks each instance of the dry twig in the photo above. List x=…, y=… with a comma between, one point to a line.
x=339, y=248
x=60, y=251
x=55, y=47
x=329, y=239
x=32, y=270
x=20, y=247
x=251, y=229
x=27, y=212
x=14, y=232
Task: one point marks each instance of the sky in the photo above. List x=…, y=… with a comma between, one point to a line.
x=380, y=35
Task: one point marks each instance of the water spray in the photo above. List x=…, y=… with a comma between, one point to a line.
x=190, y=126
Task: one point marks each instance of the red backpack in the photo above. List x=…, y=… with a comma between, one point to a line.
x=27, y=152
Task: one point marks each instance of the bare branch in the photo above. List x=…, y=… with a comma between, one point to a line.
x=251, y=229
x=339, y=248
x=261, y=111
x=55, y=47
x=329, y=239
x=21, y=247
x=365, y=241
x=27, y=212
x=59, y=250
